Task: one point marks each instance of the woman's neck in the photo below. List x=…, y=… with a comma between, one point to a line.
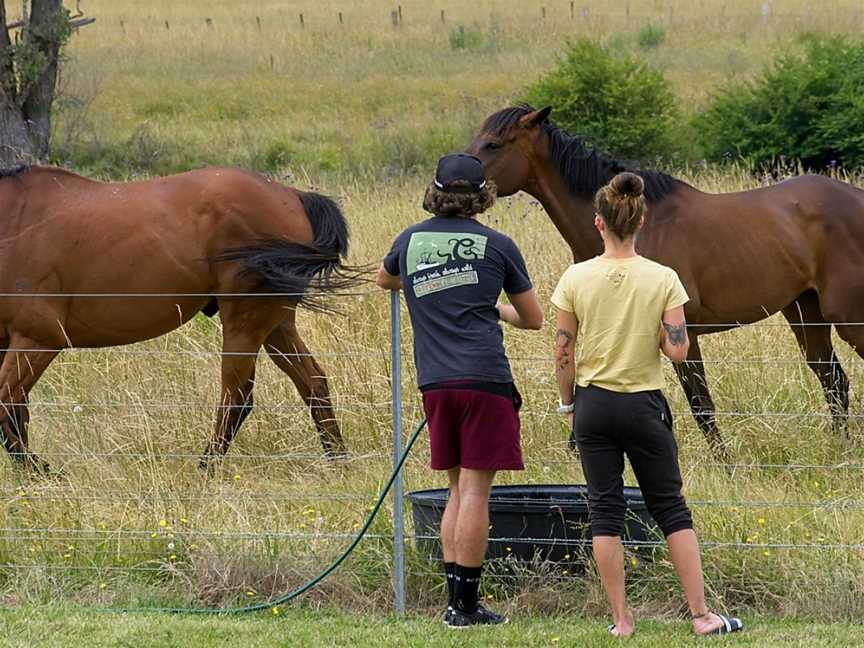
x=618, y=249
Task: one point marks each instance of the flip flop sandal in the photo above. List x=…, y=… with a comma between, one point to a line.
x=730, y=625
x=611, y=630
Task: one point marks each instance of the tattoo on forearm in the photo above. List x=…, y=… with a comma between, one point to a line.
x=563, y=339
x=677, y=335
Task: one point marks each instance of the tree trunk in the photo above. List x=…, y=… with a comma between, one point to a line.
x=47, y=25
x=28, y=78
x=14, y=143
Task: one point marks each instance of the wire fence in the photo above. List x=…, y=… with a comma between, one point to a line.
x=555, y=14
x=166, y=520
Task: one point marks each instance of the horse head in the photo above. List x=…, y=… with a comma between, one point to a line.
x=510, y=144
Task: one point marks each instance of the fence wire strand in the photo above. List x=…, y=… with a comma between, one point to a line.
x=357, y=501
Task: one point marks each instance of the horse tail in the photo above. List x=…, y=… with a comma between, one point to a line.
x=306, y=273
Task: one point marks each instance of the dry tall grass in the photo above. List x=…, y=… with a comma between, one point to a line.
x=132, y=520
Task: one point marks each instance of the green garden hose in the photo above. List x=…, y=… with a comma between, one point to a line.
x=290, y=596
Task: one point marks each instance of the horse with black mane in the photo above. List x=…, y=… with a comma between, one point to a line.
x=94, y=264
x=796, y=247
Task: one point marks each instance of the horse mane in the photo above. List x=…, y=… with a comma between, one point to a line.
x=583, y=168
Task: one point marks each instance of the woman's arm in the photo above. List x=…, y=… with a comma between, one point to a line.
x=674, y=342
x=565, y=363
x=387, y=281
x=523, y=311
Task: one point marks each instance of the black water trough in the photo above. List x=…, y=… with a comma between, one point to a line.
x=547, y=522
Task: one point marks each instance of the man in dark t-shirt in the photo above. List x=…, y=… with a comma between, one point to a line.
x=453, y=270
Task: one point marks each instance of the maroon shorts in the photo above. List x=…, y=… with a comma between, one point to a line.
x=472, y=428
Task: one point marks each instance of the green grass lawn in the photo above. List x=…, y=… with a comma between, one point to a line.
x=53, y=626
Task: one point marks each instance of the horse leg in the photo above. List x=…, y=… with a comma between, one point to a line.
x=19, y=372
x=691, y=374
x=245, y=326
x=815, y=343
x=238, y=379
x=289, y=352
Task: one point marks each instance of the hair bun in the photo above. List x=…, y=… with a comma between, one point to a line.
x=628, y=185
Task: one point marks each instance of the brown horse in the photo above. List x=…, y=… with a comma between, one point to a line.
x=795, y=247
x=93, y=264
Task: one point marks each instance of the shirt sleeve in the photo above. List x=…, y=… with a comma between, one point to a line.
x=563, y=295
x=676, y=295
x=516, y=279
x=391, y=261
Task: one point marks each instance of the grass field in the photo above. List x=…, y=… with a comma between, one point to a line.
x=51, y=627
x=356, y=111
x=366, y=97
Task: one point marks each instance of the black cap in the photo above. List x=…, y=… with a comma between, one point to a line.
x=460, y=167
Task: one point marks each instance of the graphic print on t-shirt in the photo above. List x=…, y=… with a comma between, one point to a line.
x=439, y=261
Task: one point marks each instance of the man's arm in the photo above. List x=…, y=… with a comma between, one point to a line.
x=523, y=311
x=387, y=281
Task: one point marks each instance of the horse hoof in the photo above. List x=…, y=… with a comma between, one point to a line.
x=206, y=467
x=40, y=469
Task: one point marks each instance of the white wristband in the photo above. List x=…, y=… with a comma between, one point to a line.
x=565, y=409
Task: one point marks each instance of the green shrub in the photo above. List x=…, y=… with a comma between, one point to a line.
x=651, y=35
x=614, y=99
x=618, y=42
x=808, y=107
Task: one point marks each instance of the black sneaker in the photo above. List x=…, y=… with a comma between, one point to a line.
x=482, y=616
x=447, y=614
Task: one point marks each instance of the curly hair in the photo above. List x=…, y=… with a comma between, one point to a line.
x=454, y=203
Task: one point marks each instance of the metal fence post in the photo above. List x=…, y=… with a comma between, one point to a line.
x=398, y=486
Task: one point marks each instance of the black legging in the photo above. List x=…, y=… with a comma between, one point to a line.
x=608, y=425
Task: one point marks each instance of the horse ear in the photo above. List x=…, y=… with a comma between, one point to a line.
x=536, y=118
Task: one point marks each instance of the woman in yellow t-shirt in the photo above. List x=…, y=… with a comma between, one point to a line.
x=626, y=310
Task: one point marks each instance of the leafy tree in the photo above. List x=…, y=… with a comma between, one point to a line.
x=30, y=56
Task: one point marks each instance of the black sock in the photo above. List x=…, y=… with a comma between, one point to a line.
x=467, y=585
x=449, y=568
